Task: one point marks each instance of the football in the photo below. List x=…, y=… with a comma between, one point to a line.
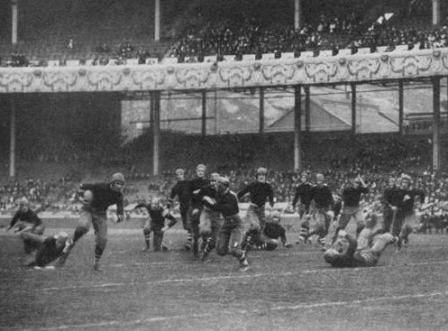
x=87, y=197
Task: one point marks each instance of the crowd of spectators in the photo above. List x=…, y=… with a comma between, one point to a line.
x=324, y=30
x=52, y=195
x=328, y=32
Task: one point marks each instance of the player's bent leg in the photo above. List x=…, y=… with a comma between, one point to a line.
x=205, y=223
x=364, y=238
x=261, y=215
x=100, y=225
x=83, y=226
x=158, y=239
x=252, y=219
x=147, y=236
x=366, y=258
x=223, y=241
x=380, y=242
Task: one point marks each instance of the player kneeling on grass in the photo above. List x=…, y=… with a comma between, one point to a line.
x=273, y=234
x=49, y=249
x=231, y=233
x=96, y=200
x=363, y=252
x=157, y=214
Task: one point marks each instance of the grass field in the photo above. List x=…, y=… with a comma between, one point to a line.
x=283, y=290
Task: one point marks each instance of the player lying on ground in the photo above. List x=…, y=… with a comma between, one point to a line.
x=49, y=249
x=364, y=252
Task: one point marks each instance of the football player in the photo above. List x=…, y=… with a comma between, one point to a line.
x=363, y=252
x=196, y=205
x=181, y=191
x=210, y=221
x=49, y=248
x=26, y=220
x=157, y=214
x=94, y=211
x=259, y=191
x=232, y=230
x=273, y=234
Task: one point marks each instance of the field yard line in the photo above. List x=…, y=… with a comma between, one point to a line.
x=248, y=311
x=122, y=265
x=357, y=302
x=376, y=267
x=245, y=276
x=179, y=280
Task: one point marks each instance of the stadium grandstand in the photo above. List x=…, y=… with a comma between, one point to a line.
x=73, y=133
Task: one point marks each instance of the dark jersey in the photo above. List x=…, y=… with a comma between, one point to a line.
x=303, y=192
x=352, y=195
x=227, y=204
x=391, y=196
x=28, y=216
x=181, y=190
x=104, y=196
x=337, y=208
x=407, y=205
x=195, y=185
x=322, y=196
x=347, y=259
x=48, y=252
x=207, y=191
x=259, y=193
x=274, y=231
x=159, y=215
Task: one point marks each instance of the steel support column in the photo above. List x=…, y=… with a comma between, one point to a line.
x=297, y=127
x=12, y=141
x=436, y=123
x=353, y=86
x=400, y=107
x=155, y=111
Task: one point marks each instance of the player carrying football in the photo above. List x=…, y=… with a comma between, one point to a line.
x=95, y=212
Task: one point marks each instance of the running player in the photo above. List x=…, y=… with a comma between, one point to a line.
x=95, y=212
x=260, y=191
x=181, y=191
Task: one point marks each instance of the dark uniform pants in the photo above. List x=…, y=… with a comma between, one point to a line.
x=231, y=236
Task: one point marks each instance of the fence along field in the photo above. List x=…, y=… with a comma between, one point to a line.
x=283, y=290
